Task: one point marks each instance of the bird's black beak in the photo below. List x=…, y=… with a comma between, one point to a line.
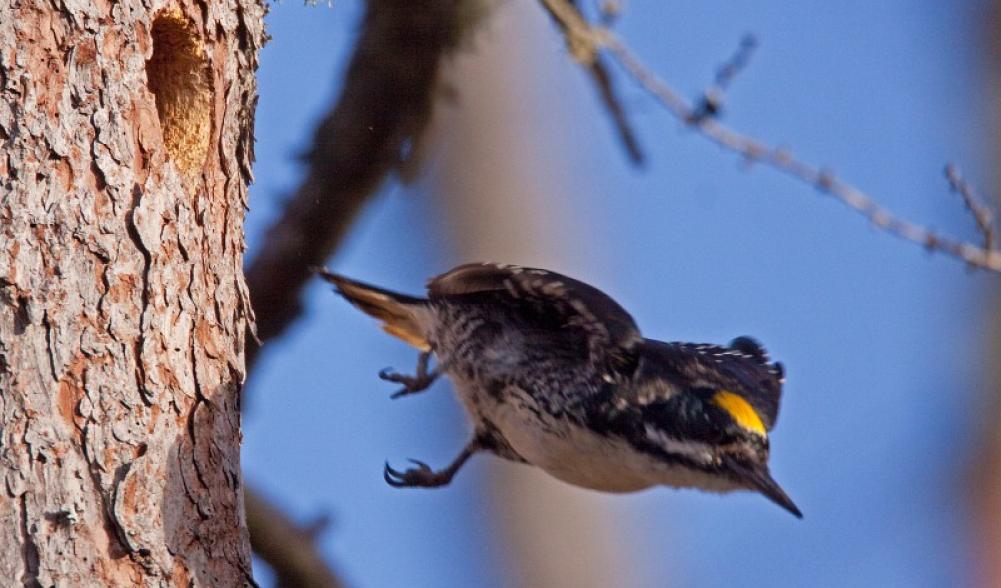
x=758, y=478
x=772, y=491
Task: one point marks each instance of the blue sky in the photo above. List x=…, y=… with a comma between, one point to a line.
x=882, y=342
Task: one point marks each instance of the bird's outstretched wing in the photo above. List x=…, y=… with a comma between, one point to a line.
x=610, y=332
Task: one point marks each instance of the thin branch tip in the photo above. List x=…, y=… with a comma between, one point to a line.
x=702, y=116
x=710, y=105
x=584, y=42
x=982, y=215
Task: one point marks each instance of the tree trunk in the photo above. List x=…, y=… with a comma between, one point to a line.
x=125, y=153
x=985, y=464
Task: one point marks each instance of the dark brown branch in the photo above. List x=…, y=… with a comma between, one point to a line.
x=384, y=105
x=606, y=91
x=587, y=40
x=290, y=549
x=386, y=102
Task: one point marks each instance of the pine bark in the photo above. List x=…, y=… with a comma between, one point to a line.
x=125, y=154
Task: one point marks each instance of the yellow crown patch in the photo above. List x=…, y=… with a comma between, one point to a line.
x=740, y=410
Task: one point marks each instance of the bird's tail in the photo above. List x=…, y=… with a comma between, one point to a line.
x=398, y=312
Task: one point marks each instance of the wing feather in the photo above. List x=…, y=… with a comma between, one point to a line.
x=610, y=331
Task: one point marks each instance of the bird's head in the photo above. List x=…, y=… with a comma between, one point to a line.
x=701, y=417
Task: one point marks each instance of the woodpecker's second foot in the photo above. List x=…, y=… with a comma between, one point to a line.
x=419, y=382
x=423, y=476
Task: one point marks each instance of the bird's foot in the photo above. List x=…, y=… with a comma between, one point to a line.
x=424, y=477
x=419, y=382
x=420, y=477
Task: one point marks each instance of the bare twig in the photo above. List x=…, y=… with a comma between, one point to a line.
x=711, y=102
x=602, y=80
x=980, y=212
x=737, y=63
x=290, y=549
x=587, y=40
x=610, y=11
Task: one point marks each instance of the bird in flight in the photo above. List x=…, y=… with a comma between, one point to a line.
x=554, y=373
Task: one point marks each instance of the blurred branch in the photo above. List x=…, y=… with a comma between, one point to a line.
x=288, y=548
x=383, y=107
x=606, y=91
x=585, y=41
x=602, y=80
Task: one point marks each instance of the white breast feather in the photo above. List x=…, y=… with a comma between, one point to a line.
x=576, y=455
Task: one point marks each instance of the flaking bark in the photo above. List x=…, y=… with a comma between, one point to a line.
x=122, y=303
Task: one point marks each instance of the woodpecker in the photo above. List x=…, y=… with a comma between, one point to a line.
x=555, y=374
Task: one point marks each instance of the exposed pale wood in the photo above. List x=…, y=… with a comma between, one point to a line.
x=122, y=303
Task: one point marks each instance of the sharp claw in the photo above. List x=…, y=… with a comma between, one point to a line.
x=421, y=476
x=392, y=477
